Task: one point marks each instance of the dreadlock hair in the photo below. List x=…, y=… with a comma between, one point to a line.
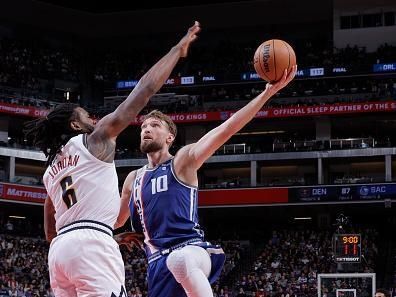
x=53, y=131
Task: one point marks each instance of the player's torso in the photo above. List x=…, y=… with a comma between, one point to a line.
x=167, y=207
x=81, y=186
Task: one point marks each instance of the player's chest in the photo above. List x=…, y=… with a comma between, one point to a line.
x=152, y=186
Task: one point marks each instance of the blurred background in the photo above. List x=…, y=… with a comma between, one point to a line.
x=318, y=160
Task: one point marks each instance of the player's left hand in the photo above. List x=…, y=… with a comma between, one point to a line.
x=186, y=41
x=130, y=239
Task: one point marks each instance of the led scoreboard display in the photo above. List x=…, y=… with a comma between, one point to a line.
x=347, y=248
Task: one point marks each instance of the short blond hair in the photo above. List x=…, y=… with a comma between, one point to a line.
x=162, y=117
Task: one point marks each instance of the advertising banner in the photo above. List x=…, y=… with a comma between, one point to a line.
x=28, y=111
x=22, y=193
x=284, y=112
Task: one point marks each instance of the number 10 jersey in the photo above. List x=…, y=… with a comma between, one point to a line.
x=164, y=208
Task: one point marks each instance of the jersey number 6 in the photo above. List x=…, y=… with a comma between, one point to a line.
x=68, y=195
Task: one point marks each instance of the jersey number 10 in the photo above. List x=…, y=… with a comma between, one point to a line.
x=159, y=184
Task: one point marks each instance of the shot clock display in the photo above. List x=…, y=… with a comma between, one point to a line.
x=347, y=248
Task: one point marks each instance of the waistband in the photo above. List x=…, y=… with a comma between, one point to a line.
x=86, y=224
x=167, y=251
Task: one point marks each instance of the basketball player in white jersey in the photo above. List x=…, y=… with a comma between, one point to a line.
x=162, y=198
x=82, y=185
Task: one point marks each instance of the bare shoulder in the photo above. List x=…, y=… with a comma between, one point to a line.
x=101, y=147
x=131, y=177
x=182, y=156
x=132, y=174
x=183, y=164
x=128, y=182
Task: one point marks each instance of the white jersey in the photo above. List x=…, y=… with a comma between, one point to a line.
x=81, y=186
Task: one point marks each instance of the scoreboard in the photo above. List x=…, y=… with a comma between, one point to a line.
x=347, y=248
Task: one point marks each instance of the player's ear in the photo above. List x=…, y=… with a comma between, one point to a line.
x=170, y=138
x=75, y=125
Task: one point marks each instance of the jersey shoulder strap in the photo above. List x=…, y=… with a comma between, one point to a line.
x=137, y=183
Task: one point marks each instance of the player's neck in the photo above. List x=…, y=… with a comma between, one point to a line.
x=158, y=157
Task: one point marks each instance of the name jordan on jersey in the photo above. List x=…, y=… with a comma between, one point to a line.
x=62, y=164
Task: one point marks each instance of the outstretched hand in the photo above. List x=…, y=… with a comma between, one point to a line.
x=191, y=35
x=274, y=88
x=130, y=239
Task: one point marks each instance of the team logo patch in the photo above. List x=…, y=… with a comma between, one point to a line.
x=304, y=192
x=364, y=191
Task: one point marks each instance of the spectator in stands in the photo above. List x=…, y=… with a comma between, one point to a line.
x=241, y=293
x=302, y=255
x=9, y=227
x=23, y=269
x=382, y=293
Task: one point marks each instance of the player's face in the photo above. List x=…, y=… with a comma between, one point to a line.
x=379, y=295
x=153, y=136
x=84, y=121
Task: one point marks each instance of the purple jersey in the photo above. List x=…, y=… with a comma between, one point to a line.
x=164, y=208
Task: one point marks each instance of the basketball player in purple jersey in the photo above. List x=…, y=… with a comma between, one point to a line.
x=162, y=198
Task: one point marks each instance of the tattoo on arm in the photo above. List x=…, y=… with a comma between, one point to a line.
x=102, y=148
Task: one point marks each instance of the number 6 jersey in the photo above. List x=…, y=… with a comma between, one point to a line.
x=81, y=186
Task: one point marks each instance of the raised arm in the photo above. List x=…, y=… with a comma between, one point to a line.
x=125, y=198
x=114, y=123
x=194, y=155
x=49, y=220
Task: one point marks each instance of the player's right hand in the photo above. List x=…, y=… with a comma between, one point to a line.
x=130, y=239
x=191, y=35
x=275, y=87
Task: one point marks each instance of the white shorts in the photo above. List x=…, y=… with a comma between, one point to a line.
x=86, y=262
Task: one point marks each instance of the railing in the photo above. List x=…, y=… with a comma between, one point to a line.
x=240, y=148
x=331, y=144
x=357, y=180
x=352, y=143
x=26, y=97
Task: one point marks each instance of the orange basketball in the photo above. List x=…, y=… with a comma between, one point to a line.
x=271, y=59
